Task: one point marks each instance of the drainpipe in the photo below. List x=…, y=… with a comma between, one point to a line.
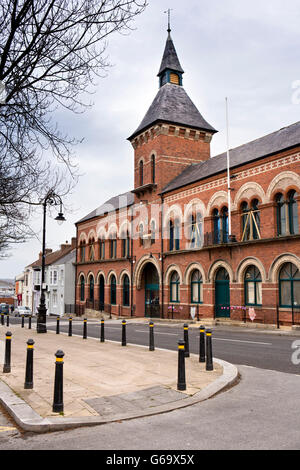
x=162, y=256
x=131, y=266
x=75, y=268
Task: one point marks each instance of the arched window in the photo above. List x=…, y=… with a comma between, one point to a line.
x=153, y=168
x=289, y=286
x=113, y=246
x=224, y=215
x=195, y=230
x=287, y=214
x=174, y=287
x=196, y=287
x=102, y=248
x=174, y=235
x=171, y=235
x=222, y=275
x=141, y=234
x=177, y=234
x=125, y=244
x=113, y=290
x=220, y=223
x=91, y=288
x=217, y=226
x=82, y=251
x=293, y=212
x=82, y=286
x=91, y=249
x=280, y=214
x=250, y=221
x=126, y=285
x=153, y=231
x=141, y=173
x=253, y=286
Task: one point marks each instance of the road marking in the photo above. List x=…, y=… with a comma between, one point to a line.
x=156, y=332
x=6, y=428
x=241, y=341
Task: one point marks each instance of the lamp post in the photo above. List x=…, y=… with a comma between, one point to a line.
x=51, y=199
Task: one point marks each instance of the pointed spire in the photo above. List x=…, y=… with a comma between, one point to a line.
x=170, y=59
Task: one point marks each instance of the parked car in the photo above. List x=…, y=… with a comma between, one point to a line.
x=4, y=308
x=19, y=311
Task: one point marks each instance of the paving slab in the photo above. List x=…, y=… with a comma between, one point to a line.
x=102, y=381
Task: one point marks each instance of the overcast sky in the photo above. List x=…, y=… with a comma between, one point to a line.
x=245, y=50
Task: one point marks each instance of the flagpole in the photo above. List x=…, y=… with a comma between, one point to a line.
x=228, y=173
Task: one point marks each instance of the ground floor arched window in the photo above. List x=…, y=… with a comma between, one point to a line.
x=253, y=286
x=82, y=288
x=196, y=287
x=289, y=286
x=126, y=290
x=174, y=287
x=113, y=290
x=91, y=288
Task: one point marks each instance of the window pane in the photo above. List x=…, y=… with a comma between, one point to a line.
x=250, y=292
x=174, y=292
x=296, y=293
x=285, y=293
x=195, y=292
x=285, y=272
x=259, y=293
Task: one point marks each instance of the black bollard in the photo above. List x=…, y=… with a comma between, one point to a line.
x=29, y=322
x=151, y=336
x=7, y=320
x=6, y=366
x=186, y=340
x=123, y=332
x=202, y=344
x=2, y=318
x=102, y=331
x=22, y=324
x=85, y=328
x=209, y=356
x=58, y=404
x=29, y=365
x=57, y=325
x=181, y=385
x=70, y=326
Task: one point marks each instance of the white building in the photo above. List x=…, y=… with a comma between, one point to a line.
x=59, y=280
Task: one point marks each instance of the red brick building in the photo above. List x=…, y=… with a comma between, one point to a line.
x=177, y=245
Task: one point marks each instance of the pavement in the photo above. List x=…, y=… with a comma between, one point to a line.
x=102, y=382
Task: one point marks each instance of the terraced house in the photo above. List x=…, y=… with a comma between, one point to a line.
x=196, y=237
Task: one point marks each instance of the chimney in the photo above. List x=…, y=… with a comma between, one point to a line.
x=64, y=246
x=74, y=242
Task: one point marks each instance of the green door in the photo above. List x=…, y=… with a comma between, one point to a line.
x=222, y=294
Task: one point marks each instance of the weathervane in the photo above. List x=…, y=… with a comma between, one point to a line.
x=169, y=15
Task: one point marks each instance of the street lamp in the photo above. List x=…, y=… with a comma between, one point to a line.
x=51, y=199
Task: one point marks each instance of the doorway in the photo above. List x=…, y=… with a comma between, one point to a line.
x=151, y=285
x=222, y=294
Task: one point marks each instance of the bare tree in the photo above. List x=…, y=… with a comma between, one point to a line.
x=52, y=51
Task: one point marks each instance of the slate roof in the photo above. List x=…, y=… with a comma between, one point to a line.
x=283, y=139
x=52, y=257
x=170, y=59
x=114, y=203
x=173, y=105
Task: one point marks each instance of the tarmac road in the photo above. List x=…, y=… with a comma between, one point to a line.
x=263, y=349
